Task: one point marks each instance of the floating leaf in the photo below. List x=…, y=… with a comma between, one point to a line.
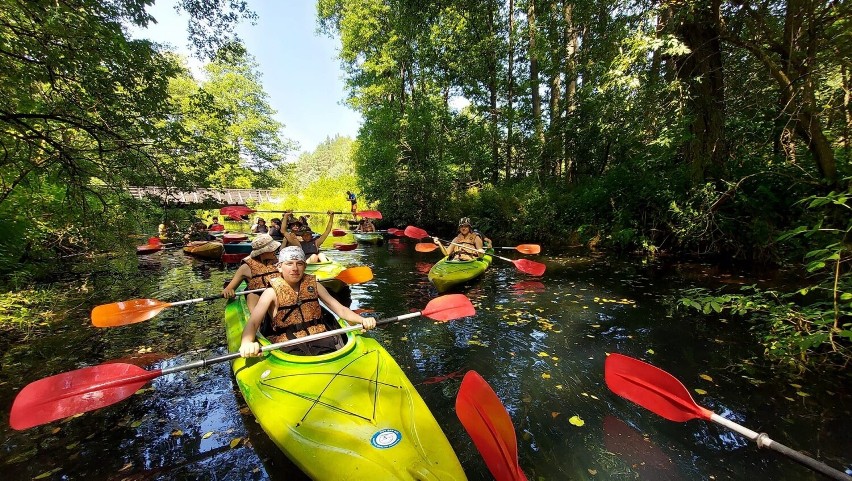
x=592, y=471
x=48, y=474
x=705, y=377
x=545, y=375
x=554, y=414
x=72, y=446
x=593, y=396
x=789, y=398
x=136, y=424
x=207, y=435
x=701, y=391
x=22, y=456
x=403, y=338
x=559, y=386
x=797, y=386
x=55, y=430
x=576, y=421
x=543, y=354
x=177, y=433
x=236, y=442
x=650, y=351
x=803, y=394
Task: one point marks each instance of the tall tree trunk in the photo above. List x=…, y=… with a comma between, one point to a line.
x=702, y=71
x=534, y=80
x=492, y=101
x=511, y=91
x=846, y=78
x=570, y=71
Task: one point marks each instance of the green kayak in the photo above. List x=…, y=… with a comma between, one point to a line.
x=347, y=415
x=369, y=237
x=324, y=270
x=446, y=273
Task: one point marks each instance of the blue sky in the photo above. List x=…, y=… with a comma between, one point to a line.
x=299, y=68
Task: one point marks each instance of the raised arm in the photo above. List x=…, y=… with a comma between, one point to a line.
x=322, y=238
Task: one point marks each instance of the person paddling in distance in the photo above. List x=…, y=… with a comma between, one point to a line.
x=293, y=305
x=257, y=269
x=275, y=230
x=367, y=225
x=215, y=226
x=469, y=244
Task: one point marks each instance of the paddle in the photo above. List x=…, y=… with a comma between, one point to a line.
x=524, y=248
x=139, y=310
x=338, y=233
x=94, y=387
x=660, y=392
x=489, y=425
x=523, y=265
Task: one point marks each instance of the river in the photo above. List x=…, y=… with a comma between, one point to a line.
x=540, y=343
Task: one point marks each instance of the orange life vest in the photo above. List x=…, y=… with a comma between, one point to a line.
x=299, y=313
x=261, y=273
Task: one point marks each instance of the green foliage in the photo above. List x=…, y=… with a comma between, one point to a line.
x=813, y=324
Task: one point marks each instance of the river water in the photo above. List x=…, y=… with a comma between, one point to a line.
x=539, y=342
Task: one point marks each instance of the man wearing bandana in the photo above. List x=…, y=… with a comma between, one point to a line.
x=292, y=304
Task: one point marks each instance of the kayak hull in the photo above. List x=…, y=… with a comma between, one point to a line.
x=324, y=270
x=369, y=237
x=238, y=248
x=446, y=274
x=347, y=415
x=205, y=249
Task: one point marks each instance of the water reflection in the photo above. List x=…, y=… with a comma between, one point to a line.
x=539, y=342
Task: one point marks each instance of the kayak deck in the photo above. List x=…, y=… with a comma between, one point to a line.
x=350, y=414
x=446, y=273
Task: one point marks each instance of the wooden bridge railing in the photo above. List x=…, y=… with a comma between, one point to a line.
x=224, y=196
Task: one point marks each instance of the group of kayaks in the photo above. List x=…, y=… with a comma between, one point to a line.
x=350, y=414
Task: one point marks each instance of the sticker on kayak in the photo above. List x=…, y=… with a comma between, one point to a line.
x=386, y=438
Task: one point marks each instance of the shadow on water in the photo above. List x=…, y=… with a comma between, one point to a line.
x=539, y=342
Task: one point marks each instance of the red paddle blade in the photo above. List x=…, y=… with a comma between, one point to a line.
x=345, y=247
x=370, y=214
x=338, y=232
x=148, y=249
x=355, y=275
x=489, y=425
x=415, y=232
x=126, y=312
x=530, y=267
x=424, y=247
x=76, y=392
x=392, y=230
x=153, y=241
x=652, y=388
x=236, y=211
x=529, y=248
x=449, y=307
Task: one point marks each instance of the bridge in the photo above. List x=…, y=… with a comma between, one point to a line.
x=200, y=196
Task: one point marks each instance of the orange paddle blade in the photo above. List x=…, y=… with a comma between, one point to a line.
x=126, y=312
x=76, y=392
x=415, y=232
x=489, y=425
x=652, y=388
x=529, y=248
x=530, y=267
x=425, y=247
x=355, y=275
x=449, y=307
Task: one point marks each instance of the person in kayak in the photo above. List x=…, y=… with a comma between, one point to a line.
x=465, y=246
x=257, y=269
x=291, y=307
x=275, y=230
x=354, y=201
x=310, y=245
x=367, y=225
x=260, y=226
x=215, y=226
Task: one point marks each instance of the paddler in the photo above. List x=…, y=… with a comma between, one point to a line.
x=465, y=246
x=292, y=308
x=257, y=269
